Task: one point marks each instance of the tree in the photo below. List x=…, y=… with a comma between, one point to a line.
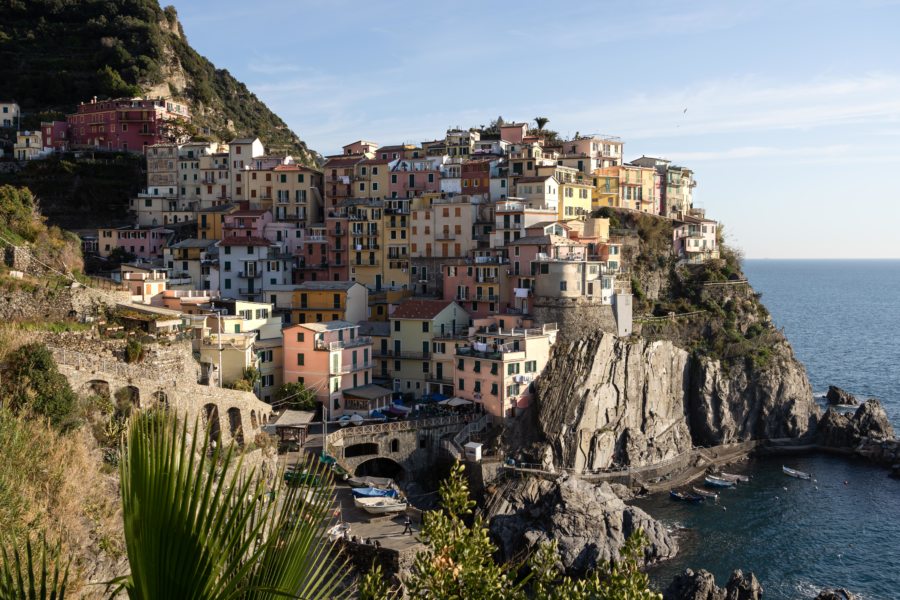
x=120, y=255
x=541, y=122
x=297, y=396
x=31, y=383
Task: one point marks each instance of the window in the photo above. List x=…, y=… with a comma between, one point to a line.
x=530, y=366
x=461, y=365
x=396, y=325
x=300, y=337
x=512, y=368
x=462, y=385
x=425, y=367
x=562, y=286
x=493, y=389
x=477, y=389
x=424, y=326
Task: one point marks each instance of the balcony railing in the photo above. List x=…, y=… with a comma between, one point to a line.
x=486, y=298
x=404, y=354
x=342, y=344
x=243, y=275
x=353, y=367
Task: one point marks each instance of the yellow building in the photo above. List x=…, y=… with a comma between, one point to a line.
x=626, y=186
x=28, y=145
x=372, y=178
x=414, y=326
x=291, y=192
x=383, y=303
x=211, y=221
x=606, y=188
x=575, y=199
x=319, y=301
x=365, y=226
x=395, y=243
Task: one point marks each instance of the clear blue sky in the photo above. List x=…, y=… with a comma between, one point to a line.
x=793, y=108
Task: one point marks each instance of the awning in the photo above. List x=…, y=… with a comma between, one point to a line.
x=454, y=402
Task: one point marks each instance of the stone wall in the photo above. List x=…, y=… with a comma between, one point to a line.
x=574, y=316
x=48, y=301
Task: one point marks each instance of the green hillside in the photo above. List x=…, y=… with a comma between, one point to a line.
x=55, y=53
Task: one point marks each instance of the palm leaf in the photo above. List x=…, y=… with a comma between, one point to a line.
x=200, y=525
x=24, y=578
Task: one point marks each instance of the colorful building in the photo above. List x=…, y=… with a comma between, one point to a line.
x=127, y=124
x=319, y=301
x=145, y=243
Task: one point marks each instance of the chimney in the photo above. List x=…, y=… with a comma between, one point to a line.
x=94, y=100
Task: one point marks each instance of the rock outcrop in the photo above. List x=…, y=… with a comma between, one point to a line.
x=836, y=594
x=605, y=401
x=589, y=523
x=839, y=430
x=701, y=585
x=839, y=397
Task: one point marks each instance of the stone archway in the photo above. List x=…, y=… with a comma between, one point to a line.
x=235, y=425
x=253, y=423
x=98, y=387
x=363, y=449
x=381, y=467
x=211, y=414
x=129, y=395
x=160, y=397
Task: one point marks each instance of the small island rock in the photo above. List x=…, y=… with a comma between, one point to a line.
x=836, y=594
x=701, y=585
x=837, y=396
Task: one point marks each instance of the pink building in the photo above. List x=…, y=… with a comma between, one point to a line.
x=129, y=124
x=413, y=177
x=247, y=223
x=498, y=367
x=479, y=285
x=313, y=255
x=335, y=361
x=145, y=243
x=55, y=134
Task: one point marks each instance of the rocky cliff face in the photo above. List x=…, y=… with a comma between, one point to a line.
x=589, y=523
x=605, y=401
x=702, y=586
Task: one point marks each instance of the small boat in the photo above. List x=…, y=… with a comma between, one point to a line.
x=301, y=478
x=794, y=473
x=373, y=492
x=339, y=471
x=713, y=481
x=344, y=421
x=380, y=506
x=685, y=496
x=705, y=493
x=733, y=477
x=377, y=415
x=356, y=420
x=384, y=483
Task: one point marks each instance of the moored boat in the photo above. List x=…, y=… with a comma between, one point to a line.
x=384, y=483
x=713, y=481
x=344, y=421
x=373, y=492
x=380, y=506
x=685, y=496
x=733, y=477
x=705, y=493
x=794, y=473
x=356, y=420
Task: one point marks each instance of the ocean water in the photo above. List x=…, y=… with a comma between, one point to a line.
x=843, y=320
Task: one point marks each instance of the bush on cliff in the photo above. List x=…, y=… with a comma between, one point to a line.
x=32, y=384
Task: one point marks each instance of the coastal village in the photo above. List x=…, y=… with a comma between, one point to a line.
x=389, y=274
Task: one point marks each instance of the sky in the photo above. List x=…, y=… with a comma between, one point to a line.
x=788, y=112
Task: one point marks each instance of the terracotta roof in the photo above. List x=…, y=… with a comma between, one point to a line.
x=344, y=161
x=245, y=241
x=533, y=179
x=420, y=309
x=378, y=161
x=249, y=213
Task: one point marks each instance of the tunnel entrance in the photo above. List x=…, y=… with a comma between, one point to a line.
x=381, y=467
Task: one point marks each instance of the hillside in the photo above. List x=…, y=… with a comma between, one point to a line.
x=55, y=53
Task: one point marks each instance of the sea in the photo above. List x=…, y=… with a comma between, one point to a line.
x=842, y=529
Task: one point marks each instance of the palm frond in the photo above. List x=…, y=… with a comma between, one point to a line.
x=199, y=524
x=31, y=577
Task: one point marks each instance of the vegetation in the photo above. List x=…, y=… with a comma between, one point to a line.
x=134, y=351
x=31, y=384
x=458, y=562
x=21, y=224
x=114, y=49
x=248, y=380
x=24, y=575
x=296, y=396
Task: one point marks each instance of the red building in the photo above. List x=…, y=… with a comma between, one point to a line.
x=55, y=134
x=476, y=176
x=127, y=124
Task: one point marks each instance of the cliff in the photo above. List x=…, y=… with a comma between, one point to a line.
x=54, y=54
x=722, y=373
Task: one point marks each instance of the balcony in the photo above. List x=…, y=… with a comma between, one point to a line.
x=322, y=307
x=443, y=379
x=404, y=354
x=365, y=263
x=245, y=275
x=342, y=344
x=353, y=367
x=487, y=298
x=445, y=236
x=314, y=266
x=249, y=292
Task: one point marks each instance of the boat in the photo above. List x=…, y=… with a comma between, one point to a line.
x=705, y=493
x=377, y=415
x=373, y=492
x=380, y=506
x=301, y=478
x=795, y=473
x=339, y=531
x=385, y=483
x=733, y=477
x=344, y=421
x=713, y=481
x=356, y=420
x=685, y=496
x=340, y=471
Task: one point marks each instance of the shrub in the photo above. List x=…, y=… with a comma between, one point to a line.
x=134, y=351
x=296, y=396
x=32, y=384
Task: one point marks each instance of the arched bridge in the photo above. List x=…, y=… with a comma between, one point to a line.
x=411, y=445
x=231, y=415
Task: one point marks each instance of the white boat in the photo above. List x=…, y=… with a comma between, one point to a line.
x=795, y=473
x=344, y=421
x=733, y=477
x=356, y=419
x=713, y=481
x=380, y=506
x=705, y=493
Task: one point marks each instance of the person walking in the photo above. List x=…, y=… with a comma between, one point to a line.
x=407, y=526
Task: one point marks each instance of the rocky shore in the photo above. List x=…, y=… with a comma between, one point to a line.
x=701, y=585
